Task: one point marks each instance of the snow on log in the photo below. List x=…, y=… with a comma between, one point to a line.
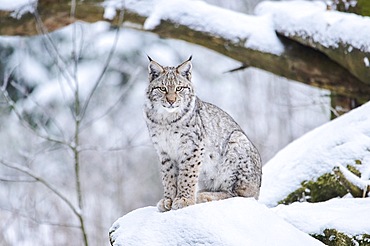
x=350, y=216
x=344, y=37
x=254, y=32
x=236, y=221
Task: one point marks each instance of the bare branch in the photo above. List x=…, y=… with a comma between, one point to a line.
x=9, y=180
x=107, y=62
x=38, y=178
x=124, y=93
x=43, y=109
x=53, y=50
x=37, y=221
x=355, y=185
x=24, y=122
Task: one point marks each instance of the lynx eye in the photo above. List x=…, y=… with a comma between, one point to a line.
x=162, y=88
x=180, y=88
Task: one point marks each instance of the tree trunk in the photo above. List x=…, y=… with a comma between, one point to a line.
x=299, y=62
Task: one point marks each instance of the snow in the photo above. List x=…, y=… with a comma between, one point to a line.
x=236, y=221
x=359, y=182
x=339, y=142
x=11, y=5
x=109, y=13
x=312, y=19
x=256, y=31
x=350, y=216
x=19, y=7
x=366, y=61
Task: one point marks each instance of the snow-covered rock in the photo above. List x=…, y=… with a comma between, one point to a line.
x=236, y=221
x=343, y=141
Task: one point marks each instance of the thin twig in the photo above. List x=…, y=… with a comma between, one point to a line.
x=53, y=50
x=24, y=122
x=43, y=109
x=124, y=93
x=8, y=180
x=35, y=220
x=38, y=178
x=106, y=65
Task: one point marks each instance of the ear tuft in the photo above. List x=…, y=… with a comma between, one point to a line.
x=185, y=68
x=154, y=69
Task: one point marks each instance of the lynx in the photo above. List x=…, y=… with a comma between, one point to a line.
x=204, y=154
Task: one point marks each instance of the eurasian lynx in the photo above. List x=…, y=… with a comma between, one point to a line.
x=204, y=153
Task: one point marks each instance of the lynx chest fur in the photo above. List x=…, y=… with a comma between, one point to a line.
x=204, y=154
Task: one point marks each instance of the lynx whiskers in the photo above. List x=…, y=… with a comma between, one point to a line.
x=204, y=154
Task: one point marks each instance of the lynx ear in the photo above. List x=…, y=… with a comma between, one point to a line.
x=154, y=69
x=185, y=68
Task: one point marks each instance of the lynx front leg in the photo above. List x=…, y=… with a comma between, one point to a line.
x=187, y=180
x=169, y=180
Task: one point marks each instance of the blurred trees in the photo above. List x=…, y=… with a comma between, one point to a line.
x=63, y=151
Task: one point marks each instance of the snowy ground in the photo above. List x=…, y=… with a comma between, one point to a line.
x=242, y=221
x=350, y=216
x=237, y=221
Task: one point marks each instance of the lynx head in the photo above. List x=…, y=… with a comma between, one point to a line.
x=170, y=88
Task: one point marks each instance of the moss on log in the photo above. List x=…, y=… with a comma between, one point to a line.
x=332, y=237
x=360, y=7
x=352, y=188
x=324, y=188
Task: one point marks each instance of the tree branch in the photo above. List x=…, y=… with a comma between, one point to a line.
x=297, y=62
x=351, y=182
x=38, y=178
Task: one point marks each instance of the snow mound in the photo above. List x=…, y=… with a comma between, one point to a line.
x=236, y=221
x=337, y=143
x=350, y=216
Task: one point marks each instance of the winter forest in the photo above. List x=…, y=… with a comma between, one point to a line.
x=77, y=166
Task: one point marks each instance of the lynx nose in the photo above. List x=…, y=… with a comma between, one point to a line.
x=171, y=99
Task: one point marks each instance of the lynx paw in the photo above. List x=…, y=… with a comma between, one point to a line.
x=182, y=202
x=164, y=205
x=202, y=197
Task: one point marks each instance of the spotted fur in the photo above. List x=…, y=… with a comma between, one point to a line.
x=203, y=152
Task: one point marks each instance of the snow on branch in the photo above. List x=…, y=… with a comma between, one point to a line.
x=344, y=37
x=355, y=185
x=255, y=32
x=252, y=40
